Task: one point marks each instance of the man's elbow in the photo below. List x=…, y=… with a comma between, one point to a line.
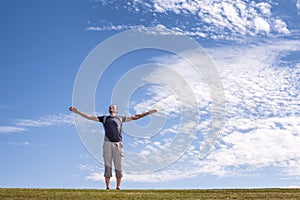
x=135, y=117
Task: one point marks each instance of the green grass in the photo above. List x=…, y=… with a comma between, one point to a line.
x=76, y=194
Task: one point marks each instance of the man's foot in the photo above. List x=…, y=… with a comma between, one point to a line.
x=118, y=188
x=107, y=188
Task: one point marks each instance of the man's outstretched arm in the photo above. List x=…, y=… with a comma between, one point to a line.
x=87, y=116
x=138, y=116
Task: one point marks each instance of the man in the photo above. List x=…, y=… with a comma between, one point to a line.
x=112, y=146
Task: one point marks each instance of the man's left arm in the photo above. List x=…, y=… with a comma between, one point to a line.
x=138, y=116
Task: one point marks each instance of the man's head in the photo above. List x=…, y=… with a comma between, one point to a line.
x=113, y=109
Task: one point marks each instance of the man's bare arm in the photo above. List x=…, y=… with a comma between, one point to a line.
x=87, y=116
x=138, y=116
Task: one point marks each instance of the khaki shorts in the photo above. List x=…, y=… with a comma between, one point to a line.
x=113, y=153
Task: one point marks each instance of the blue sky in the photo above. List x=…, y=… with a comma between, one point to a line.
x=254, y=46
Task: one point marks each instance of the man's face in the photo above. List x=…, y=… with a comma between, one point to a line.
x=113, y=109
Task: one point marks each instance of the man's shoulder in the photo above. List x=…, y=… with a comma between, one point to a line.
x=121, y=118
x=102, y=118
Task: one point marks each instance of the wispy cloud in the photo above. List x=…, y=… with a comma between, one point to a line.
x=160, y=29
x=213, y=19
x=262, y=119
x=239, y=154
x=94, y=172
x=11, y=129
x=23, y=125
x=112, y=28
x=265, y=146
x=49, y=120
x=19, y=143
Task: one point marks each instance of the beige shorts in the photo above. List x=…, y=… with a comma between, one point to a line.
x=113, y=153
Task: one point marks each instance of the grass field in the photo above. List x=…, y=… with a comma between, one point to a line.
x=88, y=194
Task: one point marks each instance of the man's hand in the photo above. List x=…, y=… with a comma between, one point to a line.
x=90, y=117
x=73, y=109
x=152, y=111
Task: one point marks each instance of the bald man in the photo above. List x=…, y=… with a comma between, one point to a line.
x=112, y=146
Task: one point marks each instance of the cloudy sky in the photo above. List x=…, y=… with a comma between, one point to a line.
x=251, y=49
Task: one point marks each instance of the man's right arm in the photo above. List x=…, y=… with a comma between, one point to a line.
x=87, y=116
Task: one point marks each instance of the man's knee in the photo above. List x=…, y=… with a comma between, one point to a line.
x=108, y=172
x=119, y=174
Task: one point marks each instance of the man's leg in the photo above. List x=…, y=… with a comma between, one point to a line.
x=119, y=179
x=118, y=162
x=107, y=182
x=107, y=155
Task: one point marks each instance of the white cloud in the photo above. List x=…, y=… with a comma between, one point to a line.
x=112, y=28
x=19, y=143
x=246, y=153
x=93, y=172
x=232, y=13
x=281, y=27
x=22, y=125
x=49, y=120
x=265, y=8
x=216, y=19
x=159, y=29
x=261, y=25
x=264, y=146
x=11, y=129
x=263, y=118
x=298, y=6
x=255, y=83
x=260, y=94
x=239, y=154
